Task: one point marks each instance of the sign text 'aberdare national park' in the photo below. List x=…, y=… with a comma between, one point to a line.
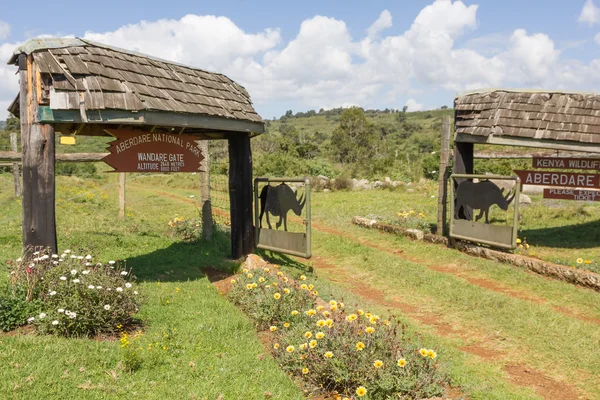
x=138, y=151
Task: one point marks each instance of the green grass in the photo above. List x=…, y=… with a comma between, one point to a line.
x=219, y=351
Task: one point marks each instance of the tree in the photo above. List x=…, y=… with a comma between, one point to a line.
x=13, y=125
x=355, y=138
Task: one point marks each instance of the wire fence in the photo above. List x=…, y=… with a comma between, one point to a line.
x=219, y=181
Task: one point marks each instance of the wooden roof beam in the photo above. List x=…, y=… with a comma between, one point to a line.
x=528, y=142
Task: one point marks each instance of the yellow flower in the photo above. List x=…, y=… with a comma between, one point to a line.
x=277, y=296
x=274, y=284
x=268, y=287
x=378, y=363
x=320, y=308
x=276, y=346
x=285, y=279
x=519, y=241
x=303, y=346
x=341, y=305
x=273, y=328
x=294, y=313
x=249, y=286
x=328, y=354
x=302, y=278
x=527, y=246
x=423, y=352
x=290, y=349
x=249, y=275
x=311, y=287
x=374, y=319
x=233, y=281
x=386, y=322
x=320, y=335
x=431, y=354
x=308, y=334
x=326, y=313
x=361, y=391
x=370, y=330
x=254, y=285
x=580, y=260
x=321, y=323
x=334, y=308
x=261, y=279
x=329, y=322
x=312, y=344
x=587, y=262
x=351, y=317
x=303, y=286
x=316, y=293
x=279, y=273
x=368, y=315
x=360, y=312
x=286, y=325
x=286, y=291
x=310, y=312
x=402, y=363
x=332, y=303
x=304, y=371
x=360, y=346
x=266, y=270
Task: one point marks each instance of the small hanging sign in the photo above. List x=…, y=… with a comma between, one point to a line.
x=572, y=194
x=140, y=151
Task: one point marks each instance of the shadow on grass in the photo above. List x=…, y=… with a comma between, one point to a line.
x=580, y=236
x=282, y=259
x=184, y=261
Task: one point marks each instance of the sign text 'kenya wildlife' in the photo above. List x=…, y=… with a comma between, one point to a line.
x=480, y=196
x=279, y=200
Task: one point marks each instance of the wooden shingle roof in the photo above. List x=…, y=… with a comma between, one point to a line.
x=573, y=117
x=85, y=76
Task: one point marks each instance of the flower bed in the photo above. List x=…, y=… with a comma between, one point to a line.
x=333, y=346
x=75, y=296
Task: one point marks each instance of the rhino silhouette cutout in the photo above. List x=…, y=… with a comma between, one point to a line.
x=278, y=201
x=480, y=196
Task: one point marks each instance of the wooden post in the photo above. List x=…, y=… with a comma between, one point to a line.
x=15, y=166
x=122, y=196
x=240, y=195
x=207, y=222
x=443, y=178
x=37, y=143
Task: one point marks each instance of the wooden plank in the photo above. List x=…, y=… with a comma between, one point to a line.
x=13, y=156
x=443, y=178
x=528, y=142
x=518, y=155
x=15, y=165
x=572, y=194
x=37, y=143
x=76, y=65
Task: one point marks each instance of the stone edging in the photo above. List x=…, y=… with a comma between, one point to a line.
x=582, y=278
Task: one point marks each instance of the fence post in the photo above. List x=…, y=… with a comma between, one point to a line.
x=16, y=173
x=443, y=188
x=240, y=195
x=207, y=222
x=122, y=196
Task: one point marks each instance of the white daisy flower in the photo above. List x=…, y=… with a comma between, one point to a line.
x=107, y=307
x=55, y=262
x=36, y=259
x=52, y=293
x=128, y=285
x=73, y=256
x=108, y=289
x=61, y=310
x=98, y=287
x=44, y=257
x=35, y=253
x=123, y=273
x=88, y=257
x=80, y=257
x=111, y=262
x=135, y=292
x=67, y=251
x=87, y=264
x=91, y=287
x=73, y=272
x=119, y=289
x=30, y=319
x=63, y=278
x=31, y=265
x=42, y=315
x=75, y=280
x=85, y=272
x=19, y=259
x=54, y=255
x=55, y=322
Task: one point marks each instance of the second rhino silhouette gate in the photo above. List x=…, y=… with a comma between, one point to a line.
x=274, y=205
x=481, y=196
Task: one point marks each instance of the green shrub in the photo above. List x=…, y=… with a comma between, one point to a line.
x=189, y=230
x=14, y=308
x=83, y=170
x=351, y=352
x=80, y=298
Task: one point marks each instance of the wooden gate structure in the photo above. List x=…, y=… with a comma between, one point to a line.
x=74, y=86
x=552, y=120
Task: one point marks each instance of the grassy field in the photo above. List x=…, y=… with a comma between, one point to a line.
x=501, y=332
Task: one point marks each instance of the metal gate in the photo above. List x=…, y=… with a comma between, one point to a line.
x=291, y=194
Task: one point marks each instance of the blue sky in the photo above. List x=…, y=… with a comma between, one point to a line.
x=312, y=54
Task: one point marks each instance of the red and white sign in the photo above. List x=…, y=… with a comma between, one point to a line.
x=140, y=151
x=566, y=163
x=564, y=179
x=572, y=194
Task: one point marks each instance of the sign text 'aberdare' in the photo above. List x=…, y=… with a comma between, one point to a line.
x=136, y=151
x=572, y=194
x=564, y=179
x=566, y=163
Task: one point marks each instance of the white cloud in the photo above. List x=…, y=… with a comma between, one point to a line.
x=4, y=30
x=412, y=105
x=597, y=38
x=324, y=66
x=590, y=14
x=383, y=22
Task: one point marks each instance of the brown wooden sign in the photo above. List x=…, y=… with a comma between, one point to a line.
x=572, y=194
x=138, y=151
x=566, y=163
x=564, y=179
